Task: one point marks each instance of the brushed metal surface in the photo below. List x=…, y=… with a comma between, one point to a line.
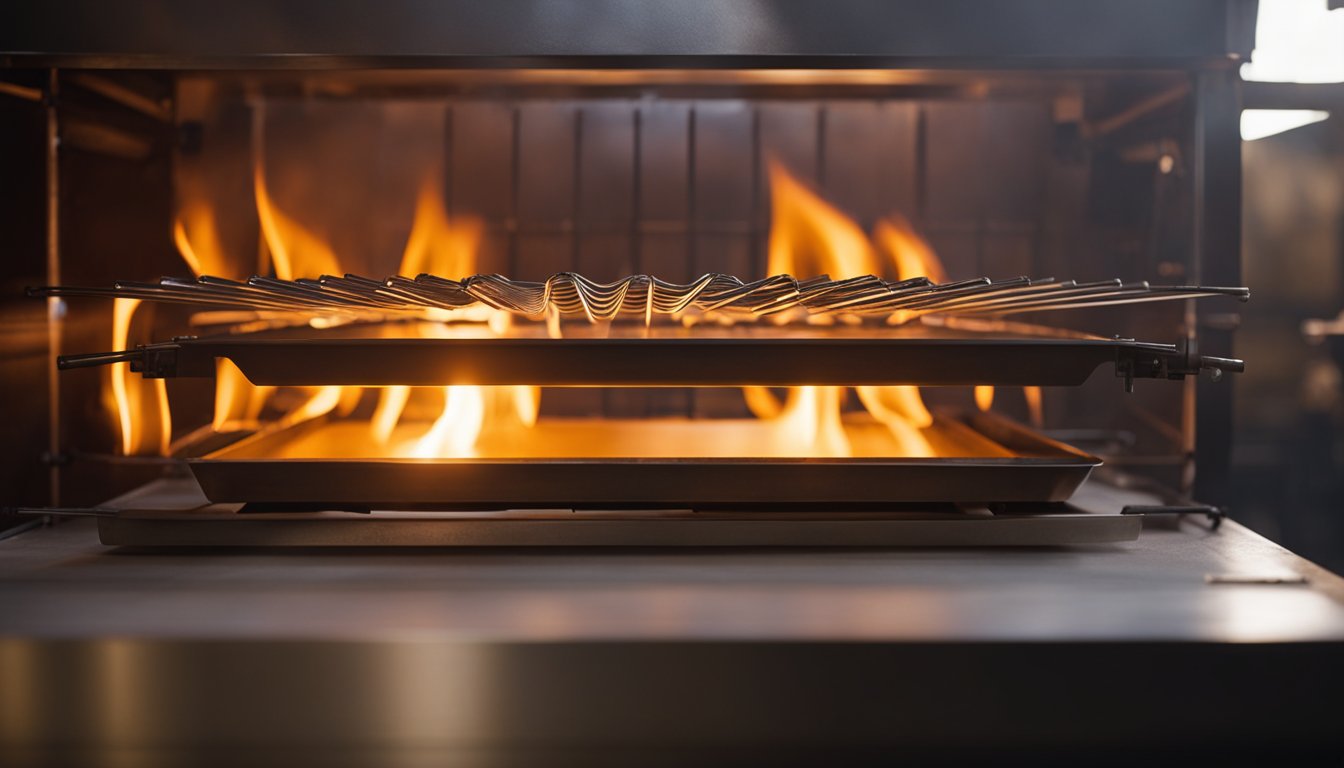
x=700, y=33
x=574, y=656
x=337, y=529
x=61, y=582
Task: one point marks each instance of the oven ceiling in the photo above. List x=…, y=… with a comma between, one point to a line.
x=625, y=33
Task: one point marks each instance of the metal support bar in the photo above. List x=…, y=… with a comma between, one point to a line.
x=1217, y=258
x=55, y=305
x=126, y=97
x=20, y=91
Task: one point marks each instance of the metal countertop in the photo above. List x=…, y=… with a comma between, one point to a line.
x=514, y=656
x=59, y=582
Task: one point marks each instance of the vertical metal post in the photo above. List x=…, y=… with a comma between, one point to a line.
x=921, y=169
x=515, y=184
x=1217, y=261
x=449, y=177
x=576, y=201
x=821, y=145
x=691, y=229
x=55, y=306
x=759, y=257
x=691, y=245
x=636, y=190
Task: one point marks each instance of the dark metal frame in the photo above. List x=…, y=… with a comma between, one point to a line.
x=189, y=34
x=1217, y=256
x=693, y=361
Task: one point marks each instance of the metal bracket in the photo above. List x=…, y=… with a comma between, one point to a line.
x=1214, y=514
x=153, y=361
x=1132, y=364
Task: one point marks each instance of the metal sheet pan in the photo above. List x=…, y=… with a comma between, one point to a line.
x=1028, y=467
x=699, y=360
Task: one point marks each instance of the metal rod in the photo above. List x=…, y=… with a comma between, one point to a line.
x=692, y=395
x=66, y=511
x=515, y=183
x=636, y=193
x=113, y=91
x=398, y=297
x=758, y=255
x=21, y=91
x=1107, y=125
x=576, y=195
x=55, y=306
x=95, y=359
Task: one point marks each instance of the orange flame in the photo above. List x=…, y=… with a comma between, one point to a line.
x=984, y=397
x=295, y=251
x=454, y=433
x=808, y=237
x=1035, y=409
x=441, y=245
x=140, y=403
x=911, y=254
x=238, y=403
x=196, y=235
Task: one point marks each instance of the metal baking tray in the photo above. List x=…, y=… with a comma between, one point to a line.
x=1002, y=462
x=922, y=356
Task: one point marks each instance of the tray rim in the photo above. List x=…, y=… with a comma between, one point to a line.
x=1068, y=468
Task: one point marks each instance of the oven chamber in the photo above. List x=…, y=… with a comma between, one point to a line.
x=1084, y=141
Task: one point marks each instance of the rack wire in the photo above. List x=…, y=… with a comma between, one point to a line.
x=569, y=293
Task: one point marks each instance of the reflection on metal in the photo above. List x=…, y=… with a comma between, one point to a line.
x=719, y=463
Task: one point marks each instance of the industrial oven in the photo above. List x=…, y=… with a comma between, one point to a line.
x=612, y=285
x=847, y=277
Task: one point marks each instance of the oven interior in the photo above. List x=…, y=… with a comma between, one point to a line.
x=1083, y=175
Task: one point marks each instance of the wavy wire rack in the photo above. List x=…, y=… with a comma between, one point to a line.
x=568, y=293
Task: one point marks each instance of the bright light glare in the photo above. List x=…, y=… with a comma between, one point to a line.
x=1297, y=41
x=1259, y=123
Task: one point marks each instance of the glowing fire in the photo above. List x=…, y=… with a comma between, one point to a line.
x=238, y=404
x=437, y=244
x=984, y=397
x=196, y=235
x=809, y=237
x=295, y=251
x=140, y=404
x=444, y=246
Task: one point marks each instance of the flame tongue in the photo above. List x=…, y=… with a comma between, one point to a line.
x=295, y=251
x=809, y=236
x=140, y=404
x=447, y=247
